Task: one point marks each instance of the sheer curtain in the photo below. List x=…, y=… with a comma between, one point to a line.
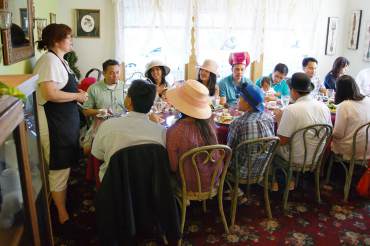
x=153, y=29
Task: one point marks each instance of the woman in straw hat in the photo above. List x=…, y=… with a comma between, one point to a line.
x=156, y=71
x=207, y=75
x=191, y=100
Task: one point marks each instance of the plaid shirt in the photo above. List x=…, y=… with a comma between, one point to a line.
x=251, y=125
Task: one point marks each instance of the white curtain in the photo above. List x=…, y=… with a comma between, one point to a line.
x=149, y=29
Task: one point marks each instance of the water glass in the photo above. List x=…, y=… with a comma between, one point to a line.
x=285, y=101
x=330, y=93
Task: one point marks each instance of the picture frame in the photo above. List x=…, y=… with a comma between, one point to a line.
x=53, y=18
x=23, y=19
x=88, y=23
x=40, y=24
x=354, y=29
x=367, y=43
x=331, y=36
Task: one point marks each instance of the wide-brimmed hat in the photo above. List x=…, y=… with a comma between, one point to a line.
x=191, y=99
x=301, y=82
x=156, y=63
x=239, y=58
x=253, y=95
x=210, y=66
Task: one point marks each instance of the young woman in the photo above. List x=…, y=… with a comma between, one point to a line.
x=157, y=71
x=192, y=101
x=353, y=110
x=58, y=94
x=207, y=75
x=339, y=68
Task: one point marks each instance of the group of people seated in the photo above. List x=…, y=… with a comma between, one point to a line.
x=59, y=99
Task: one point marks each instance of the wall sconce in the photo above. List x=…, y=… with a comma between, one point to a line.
x=5, y=19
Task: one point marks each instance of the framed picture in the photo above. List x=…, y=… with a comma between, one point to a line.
x=88, y=23
x=354, y=29
x=40, y=24
x=331, y=36
x=24, y=19
x=367, y=43
x=53, y=18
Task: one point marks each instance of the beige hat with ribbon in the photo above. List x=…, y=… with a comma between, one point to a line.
x=210, y=66
x=156, y=63
x=191, y=99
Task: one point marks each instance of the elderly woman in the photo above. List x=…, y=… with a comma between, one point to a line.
x=58, y=94
x=207, y=75
x=339, y=68
x=157, y=71
x=191, y=100
x=353, y=110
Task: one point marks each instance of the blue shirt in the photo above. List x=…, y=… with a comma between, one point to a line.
x=330, y=81
x=229, y=90
x=281, y=87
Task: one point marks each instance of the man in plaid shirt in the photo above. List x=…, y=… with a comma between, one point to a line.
x=253, y=124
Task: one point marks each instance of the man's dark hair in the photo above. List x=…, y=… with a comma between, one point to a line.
x=281, y=68
x=142, y=94
x=347, y=89
x=108, y=63
x=307, y=60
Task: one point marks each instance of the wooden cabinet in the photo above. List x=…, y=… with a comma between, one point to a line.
x=24, y=207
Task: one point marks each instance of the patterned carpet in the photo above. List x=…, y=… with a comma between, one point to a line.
x=306, y=223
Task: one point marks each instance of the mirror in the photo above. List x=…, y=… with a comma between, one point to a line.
x=18, y=39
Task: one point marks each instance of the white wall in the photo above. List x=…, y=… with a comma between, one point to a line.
x=356, y=56
x=91, y=52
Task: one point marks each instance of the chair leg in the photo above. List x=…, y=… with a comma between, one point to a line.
x=204, y=206
x=329, y=168
x=317, y=184
x=347, y=185
x=221, y=208
x=286, y=191
x=183, y=217
x=234, y=201
x=266, y=196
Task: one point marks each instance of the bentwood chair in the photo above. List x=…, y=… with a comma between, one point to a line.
x=365, y=129
x=312, y=156
x=255, y=157
x=216, y=155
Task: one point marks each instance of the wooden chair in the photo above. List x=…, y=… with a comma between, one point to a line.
x=353, y=161
x=251, y=153
x=206, y=154
x=319, y=133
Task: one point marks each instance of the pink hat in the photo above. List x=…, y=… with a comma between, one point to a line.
x=191, y=99
x=210, y=66
x=239, y=58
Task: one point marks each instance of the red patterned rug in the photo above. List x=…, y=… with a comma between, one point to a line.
x=306, y=223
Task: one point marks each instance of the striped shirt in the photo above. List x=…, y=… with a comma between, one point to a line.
x=251, y=125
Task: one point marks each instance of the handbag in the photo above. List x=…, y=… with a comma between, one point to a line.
x=363, y=186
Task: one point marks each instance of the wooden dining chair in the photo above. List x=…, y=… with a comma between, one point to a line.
x=216, y=155
x=256, y=156
x=317, y=133
x=337, y=158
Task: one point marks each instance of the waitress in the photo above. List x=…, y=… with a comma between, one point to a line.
x=58, y=95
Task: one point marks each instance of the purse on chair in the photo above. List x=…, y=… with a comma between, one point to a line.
x=363, y=186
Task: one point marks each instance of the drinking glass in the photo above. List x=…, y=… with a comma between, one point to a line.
x=285, y=101
x=330, y=93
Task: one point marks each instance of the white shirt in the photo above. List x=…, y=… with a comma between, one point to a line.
x=50, y=68
x=350, y=115
x=363, y=81
x=118, y=133
x=304, y=112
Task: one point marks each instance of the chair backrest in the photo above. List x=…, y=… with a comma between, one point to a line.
x=99, y=73
x=217, y=155
x=254, y=156
x=365, y=128
x=315, y=139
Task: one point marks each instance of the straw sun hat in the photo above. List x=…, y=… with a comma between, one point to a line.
x=210, y=66
x=156, y=63
x=191, y=99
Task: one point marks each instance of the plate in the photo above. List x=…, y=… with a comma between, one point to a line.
x=224, y=122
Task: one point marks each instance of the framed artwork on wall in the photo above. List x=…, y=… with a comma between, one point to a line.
x=367, y=43
x=88, y=23
x=354, y=29
x=331, y=35
x=53, y=18
x=40, y=24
